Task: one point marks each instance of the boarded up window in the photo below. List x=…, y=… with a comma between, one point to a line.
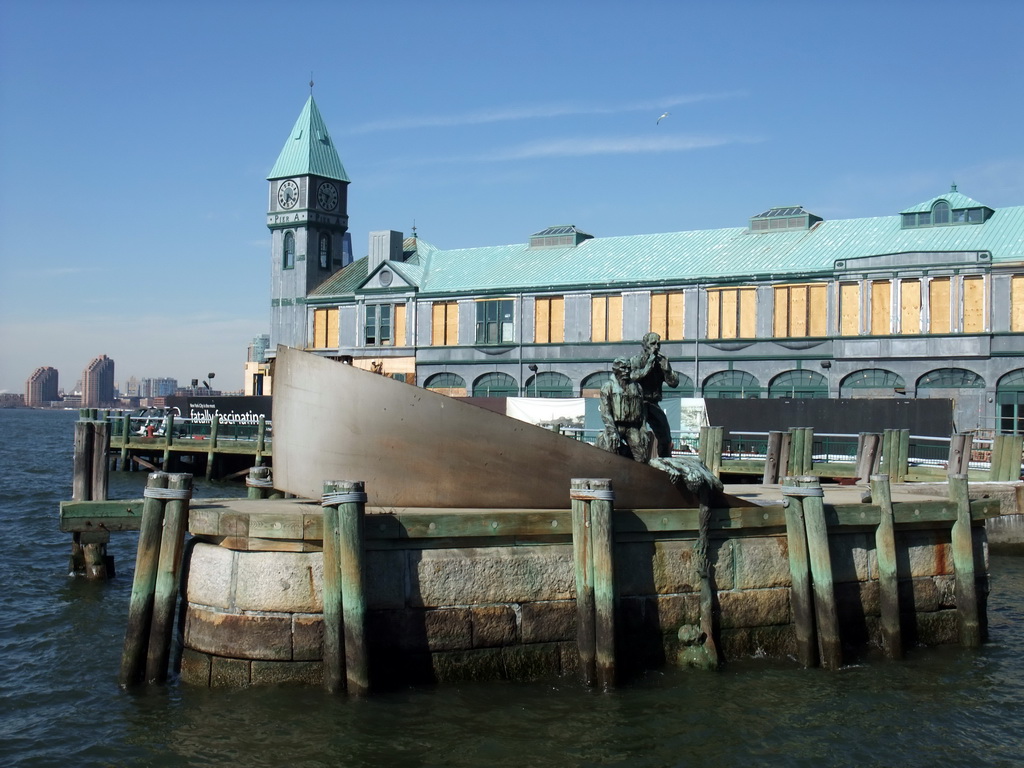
x=667, y=315
x=881, y=306
x=444, y=323
x=849, y=309
x=400, y=325
x=938, y=305
x=974, y=305
x=606, y=318
x=910, y=306
x=732, y=313
x=800, y=310
x=549, y=321
x=1017, y=303
x=325, y=328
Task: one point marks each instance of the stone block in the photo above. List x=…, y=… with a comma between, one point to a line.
x=923, y=553
x=384, y=579
x=849, y=553
x=287, y=673
x=229, y=673
x=237, y=635
x=289, y=582
x=448, y=629
x=778, y=642
x=547, y=621
x=443, y=577
x=858, y=598
x=493, y=626
x=667, y=567
x=210, y=576
x=761, y=562
x=307, y=637
x=195, y=667
x=532, y=662
x=938, y=628
x=673, y=611
x=918, y=595
x=462, y=666
x=754, y=607
x=568, y=659
x=404, y=631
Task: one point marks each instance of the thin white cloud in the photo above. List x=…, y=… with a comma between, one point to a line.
x=628, y=145
x=533, y=112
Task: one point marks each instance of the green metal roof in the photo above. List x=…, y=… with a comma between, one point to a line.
x=687, y=257
x=955, y=199
x=309, y=150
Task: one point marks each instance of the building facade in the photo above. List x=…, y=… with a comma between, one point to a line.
x=98, y=383
x=42, y=388
x=926, y=302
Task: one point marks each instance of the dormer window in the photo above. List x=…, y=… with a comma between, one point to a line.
x=783, y=218
x=566, y=236
x=953, y=208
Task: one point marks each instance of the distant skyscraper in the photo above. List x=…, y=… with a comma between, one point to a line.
x=98, y=383
x=41, y=387
x=258, y=348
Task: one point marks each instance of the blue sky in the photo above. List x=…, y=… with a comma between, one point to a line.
x=135, y=139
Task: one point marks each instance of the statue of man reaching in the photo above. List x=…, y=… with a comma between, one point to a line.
x=651, y=370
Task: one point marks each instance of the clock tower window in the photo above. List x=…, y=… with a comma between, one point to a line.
x=288, y=260
x=325, y=250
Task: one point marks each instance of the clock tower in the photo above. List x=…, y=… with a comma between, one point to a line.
x=307, y=215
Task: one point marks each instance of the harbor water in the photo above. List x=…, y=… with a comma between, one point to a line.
x=60, y=705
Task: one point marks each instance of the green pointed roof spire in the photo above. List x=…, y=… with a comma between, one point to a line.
x=309, y=150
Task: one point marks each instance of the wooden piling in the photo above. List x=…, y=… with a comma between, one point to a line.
x=962, y=540
x=126, y=433
x=344, y=504
x=168, y=440
x=140, y=607
x=888, y=580
x=100, y=467
x=81, y=485
x=868, y=454
x=800, y=573
x=602, y=550
x=583, y=564
x=716, y=435
x=211, y=455
x=826, y=615
x=784, y=448
x=959, y=453
x=168, y=574
x=771, y=459
x=259, y=483
x=261, y=439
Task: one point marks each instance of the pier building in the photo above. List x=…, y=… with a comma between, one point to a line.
x=927, y=301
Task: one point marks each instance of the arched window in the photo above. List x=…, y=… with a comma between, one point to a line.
x=1010, y=403
x=495, y=384
x=809, y=384
x=549, y=384
x=288, y=260
x=732, y=384
x=950, y=378
x=325, y=250
x=940, y=212
x=684, y=388
x=883, y=381
x=591, y=385
x=450, y=384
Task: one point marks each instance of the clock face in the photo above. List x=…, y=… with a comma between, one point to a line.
x=288, y=194
x=327, y=196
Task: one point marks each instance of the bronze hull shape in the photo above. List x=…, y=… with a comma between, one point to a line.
x=416, y=448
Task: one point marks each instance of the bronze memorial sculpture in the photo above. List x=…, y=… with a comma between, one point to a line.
x=634, y=423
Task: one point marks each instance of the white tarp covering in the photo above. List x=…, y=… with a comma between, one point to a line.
x=548, y=411
x=693, y=414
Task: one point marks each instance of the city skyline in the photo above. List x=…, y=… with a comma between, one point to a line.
x=133, y=217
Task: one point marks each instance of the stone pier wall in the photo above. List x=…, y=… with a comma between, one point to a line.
x=508, y=612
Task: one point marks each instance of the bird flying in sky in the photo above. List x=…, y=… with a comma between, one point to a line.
x=666, y=114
